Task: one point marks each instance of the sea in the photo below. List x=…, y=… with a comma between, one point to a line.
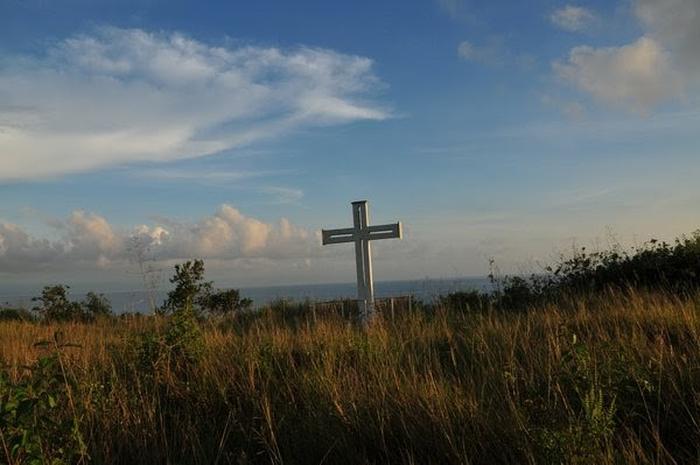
x=426, y=290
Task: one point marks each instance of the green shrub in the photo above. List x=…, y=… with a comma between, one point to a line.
x=225, y=302
x=54, y=305
x=175, y=349
x=95, y=306
x=38, y=422
x=654, y=265
x=190, y=287
x=465, y=301
x=183, y=336
x=192, y=290
x=15, y=314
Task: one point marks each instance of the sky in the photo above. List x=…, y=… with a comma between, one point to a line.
x=138, y=134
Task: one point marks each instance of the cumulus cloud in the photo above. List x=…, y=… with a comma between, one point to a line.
x=21, y=252
x=572, y=18
x=127, y=95
x=87, y=240
x=637, y=76
x=661, y=66
x=90, y=237
x=676, y=25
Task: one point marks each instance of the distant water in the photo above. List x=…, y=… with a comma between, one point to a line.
x=425, y=289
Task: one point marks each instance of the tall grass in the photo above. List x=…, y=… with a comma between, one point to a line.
x=610, y=378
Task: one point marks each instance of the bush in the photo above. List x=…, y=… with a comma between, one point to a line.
x=225, y=302
x=192, y=290
x=96, y=305
x=183, y=337
x=37, y=418
x=174, y=350
x=54, y=305
x=15, y=314
x=466, y=301
x=655, y=266
x=190, y=287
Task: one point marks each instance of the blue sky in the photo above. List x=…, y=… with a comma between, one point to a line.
x=234, y=132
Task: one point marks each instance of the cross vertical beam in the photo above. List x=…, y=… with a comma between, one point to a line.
x=363, y=260
x=361, y=234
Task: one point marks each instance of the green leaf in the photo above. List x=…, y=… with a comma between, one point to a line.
x=10, y=406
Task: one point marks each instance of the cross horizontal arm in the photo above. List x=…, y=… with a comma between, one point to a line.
x=337, y=236
x=384, y=231
x=339, y=231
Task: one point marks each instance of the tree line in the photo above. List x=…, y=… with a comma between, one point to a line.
x=189, y=289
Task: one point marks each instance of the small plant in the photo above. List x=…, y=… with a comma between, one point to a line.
x=180, y=346
x=183, y=337
x=38, y=423
x=587, y=430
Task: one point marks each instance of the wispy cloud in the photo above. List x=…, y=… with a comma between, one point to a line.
x=208, y=176
x=572, y=109
x=572, y=18
x=456, y=9
x=493, y=52
x=283, y=195
x=127, y=95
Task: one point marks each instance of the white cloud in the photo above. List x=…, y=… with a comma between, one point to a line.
x=661, y=66
x=456, y=9
x=637, y=76
x=210, y=175
x=21, y=252
x=471, y=52
x=89, y=241
x=572, y=18
x=676, y=25
x=127, y=95
x=91, y=237
x=283, y=195
x=494, y=52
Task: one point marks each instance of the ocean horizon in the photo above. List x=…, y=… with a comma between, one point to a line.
x=427, y=290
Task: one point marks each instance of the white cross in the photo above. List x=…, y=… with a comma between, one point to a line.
x=361, y=233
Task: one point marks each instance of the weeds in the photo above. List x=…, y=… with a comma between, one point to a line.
x=578, y=369
x=610, y=379
x=38, y=419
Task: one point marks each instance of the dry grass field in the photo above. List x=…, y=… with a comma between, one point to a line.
x=613, y=378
